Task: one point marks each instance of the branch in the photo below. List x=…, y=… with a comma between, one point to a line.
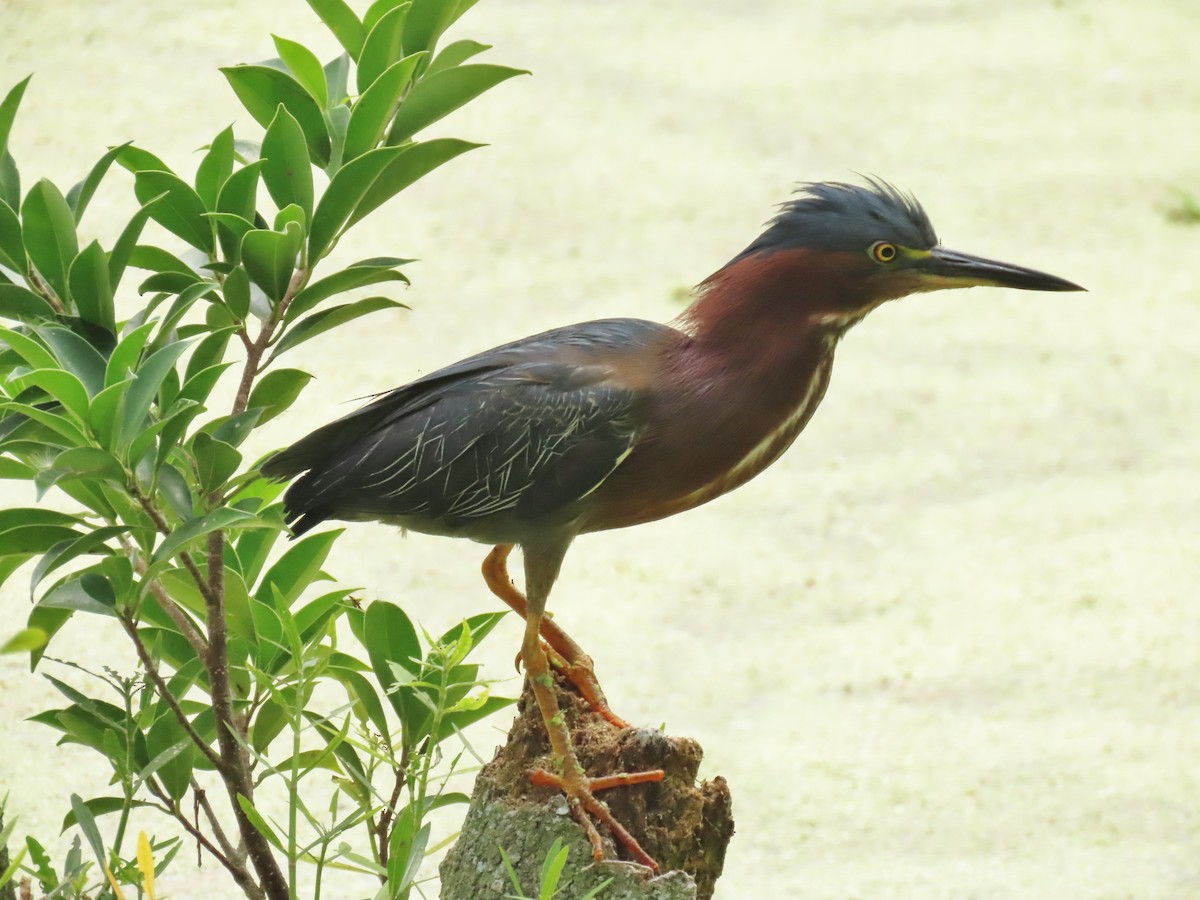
x=236, y=853
x=163, y=691
x=160, y=523
x=195, y=640
x=255, y=350
x=240, y=874
x=234, y=767
x=385, y=817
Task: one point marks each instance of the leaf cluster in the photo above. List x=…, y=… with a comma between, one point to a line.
x=134, y=370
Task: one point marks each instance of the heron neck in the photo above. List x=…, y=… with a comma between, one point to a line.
x=766, y=314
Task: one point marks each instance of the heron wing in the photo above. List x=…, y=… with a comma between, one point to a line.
x=516, y=433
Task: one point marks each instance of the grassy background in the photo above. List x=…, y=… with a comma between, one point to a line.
x=949, y=645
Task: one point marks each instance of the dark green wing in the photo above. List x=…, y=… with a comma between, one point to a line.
x=490, y=443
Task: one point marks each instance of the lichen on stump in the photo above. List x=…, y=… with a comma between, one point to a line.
x=684, y=826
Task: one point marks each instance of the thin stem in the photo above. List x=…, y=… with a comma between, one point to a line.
x=160, y=523
x=256, y=349
x=164, y=691
x=170, y=607
x=218, y=832
x=239, y=872
x=385, y=816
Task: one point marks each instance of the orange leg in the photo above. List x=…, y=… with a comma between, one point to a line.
x=564, y=654
x=573, y=781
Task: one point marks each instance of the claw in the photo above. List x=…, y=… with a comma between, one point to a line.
x=581, y=800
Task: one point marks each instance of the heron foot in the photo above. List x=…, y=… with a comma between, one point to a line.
x=584, y=806
x=581, y=674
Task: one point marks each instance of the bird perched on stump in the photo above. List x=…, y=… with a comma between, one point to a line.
x=616, y=422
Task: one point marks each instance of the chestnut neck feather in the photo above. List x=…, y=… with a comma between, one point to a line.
x=748, y=371
x=771, y=310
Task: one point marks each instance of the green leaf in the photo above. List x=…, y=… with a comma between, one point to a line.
x=59, y=425
x=25, y=641
x=81, y=194
x=175, y=489
x=64, y=552
x=90, y=593
x=171, y=756
x=12, y=250
x=10, y=181
x=479, y=626
x=288, y=214
x=14, y=470
x=270, y=257
x=209, y=352
x=236, y=291
x=101, y=806
x=33, y=352
x=305, y=66
x=428, y=19
x=439, y=94
x=62, y=386
x=118, y=257
x=299, y=567
x=359, y=274
x=234, y=429
x=76, y=355
x=262, y=89
x=215, y=168
x=216, y=461
x=286, y=169
x=326, y=319
x=124, y=358
x=87, y=824
x=89, y=463
x=230, y=231
x=146, y=383
x=406, y=856
x=268, y=648
x=391, y=640
x=180, y=209
x=195, y=529
x=238, y=194
x=24, y=305
x=419, y=161
x=90, y=288
x=184, y=300
x=8, y=110
x=363, y=695
x=135, y=160
x=48, y=232
x=346, y=190
x=337, y=75
x=277, y=391
x=455, y=54
x=313, y=617
x=458, y=720
x=383, y=47
x=340, y=19
x=49, y=621
x=374, y=108
x=199, y=386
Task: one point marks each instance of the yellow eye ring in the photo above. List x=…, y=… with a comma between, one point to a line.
x=883, y=252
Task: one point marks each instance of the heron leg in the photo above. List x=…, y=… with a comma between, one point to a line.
x=570, y=777
x=562, y=651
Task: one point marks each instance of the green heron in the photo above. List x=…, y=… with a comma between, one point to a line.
x=616, y=422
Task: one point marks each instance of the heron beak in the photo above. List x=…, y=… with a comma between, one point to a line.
x=944, y=268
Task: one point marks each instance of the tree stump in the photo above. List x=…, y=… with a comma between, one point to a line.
x=685, y=827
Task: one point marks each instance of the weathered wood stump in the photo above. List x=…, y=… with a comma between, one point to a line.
x=684, y=826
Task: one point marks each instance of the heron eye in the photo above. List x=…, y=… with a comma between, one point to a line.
x=882, y=251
